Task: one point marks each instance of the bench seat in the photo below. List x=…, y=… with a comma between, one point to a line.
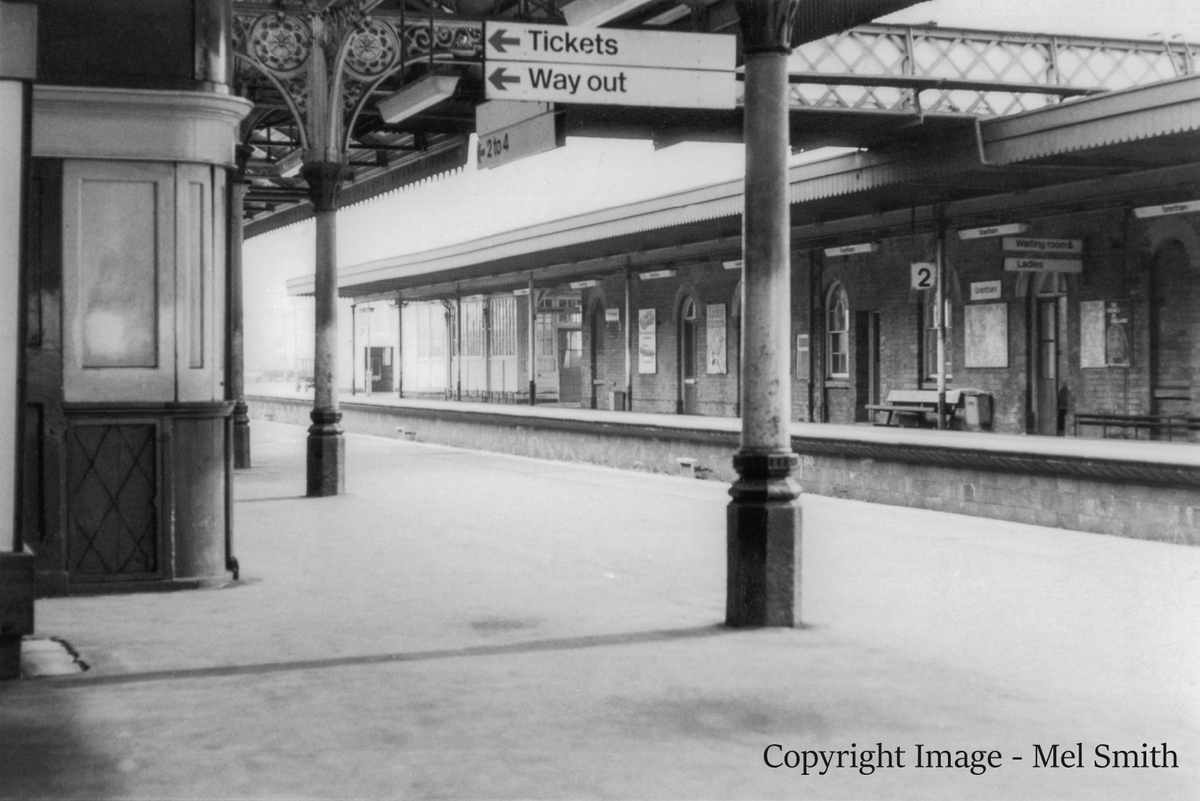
x=919, y=405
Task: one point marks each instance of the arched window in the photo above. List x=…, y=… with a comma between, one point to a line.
x=837, y=333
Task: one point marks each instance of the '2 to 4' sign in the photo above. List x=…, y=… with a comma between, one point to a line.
x=492, y=145
x=924, y=275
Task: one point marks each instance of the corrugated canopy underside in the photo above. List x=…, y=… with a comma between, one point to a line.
x=1084, y=139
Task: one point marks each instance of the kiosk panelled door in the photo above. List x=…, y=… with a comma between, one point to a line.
x=687, y=358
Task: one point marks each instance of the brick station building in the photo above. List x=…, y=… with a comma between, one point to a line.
x=1071, y=251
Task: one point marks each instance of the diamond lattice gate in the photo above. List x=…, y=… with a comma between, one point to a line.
x=113, y=502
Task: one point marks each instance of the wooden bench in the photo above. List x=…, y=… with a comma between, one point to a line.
x=918, y=406
x=1148, y=422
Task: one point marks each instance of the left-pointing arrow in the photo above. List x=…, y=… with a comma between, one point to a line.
x=498, y=79
x=499, y=40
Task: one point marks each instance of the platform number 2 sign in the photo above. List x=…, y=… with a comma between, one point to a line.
x=922, y=275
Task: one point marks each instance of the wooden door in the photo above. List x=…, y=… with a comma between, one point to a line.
x=866, y=363
x=1046, y=365
x=597, y=357
x=1172, y=340
x=687, y=358
x=381, y=369
x=570, y=372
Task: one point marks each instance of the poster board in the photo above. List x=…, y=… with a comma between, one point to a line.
x=1106, y=333
x=715, y=338
x=1091, y=333
x=1118, y=333
x=647, y=341
x=802, y=357
x=986, y=326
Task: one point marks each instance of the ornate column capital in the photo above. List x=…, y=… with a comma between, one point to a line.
x=324, y=183
x=767, y=25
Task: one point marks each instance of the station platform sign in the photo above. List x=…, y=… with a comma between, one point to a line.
x=606, y=66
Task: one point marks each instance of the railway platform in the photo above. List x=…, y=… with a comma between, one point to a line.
x=464, y=624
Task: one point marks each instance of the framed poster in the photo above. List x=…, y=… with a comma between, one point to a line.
x=1091, y=333
x=1106, y=333
x=986, y=327
x=1118, y=334
x=647, y=342
x=715, y=333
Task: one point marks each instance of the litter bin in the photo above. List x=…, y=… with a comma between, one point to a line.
x=978, y=407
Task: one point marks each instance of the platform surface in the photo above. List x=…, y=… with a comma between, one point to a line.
x=474, y=625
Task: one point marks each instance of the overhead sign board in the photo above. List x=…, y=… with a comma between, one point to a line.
x=582, y=284
x=497, y=114
x=993, y=230
x=1043, y=245
x=527, y=138
x=851, y=250
x=1169, y=208
x=1035, y=265
x=736, y=264
x=608, y=66
x=614, y=47
x=985, y=290
x=619, y=86
x=657, y=274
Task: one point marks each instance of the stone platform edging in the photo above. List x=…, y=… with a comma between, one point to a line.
x=1140, y=490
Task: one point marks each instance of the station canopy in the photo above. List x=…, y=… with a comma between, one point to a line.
x=388, y=45
x=1056, y=157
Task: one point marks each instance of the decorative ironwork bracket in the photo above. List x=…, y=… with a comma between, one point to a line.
x=327, y=62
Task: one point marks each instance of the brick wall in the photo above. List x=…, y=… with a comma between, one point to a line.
x=1118, y=258
x=706, y=283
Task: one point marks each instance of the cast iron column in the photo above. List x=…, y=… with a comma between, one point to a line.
x=532, y=298
x=237, y=354
x=764, y=517
x=326, y=448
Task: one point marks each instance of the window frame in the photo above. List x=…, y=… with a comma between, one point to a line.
x=835, y=356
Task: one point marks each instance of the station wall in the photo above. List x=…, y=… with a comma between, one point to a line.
x=1088, y=310
x=1018, y=337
